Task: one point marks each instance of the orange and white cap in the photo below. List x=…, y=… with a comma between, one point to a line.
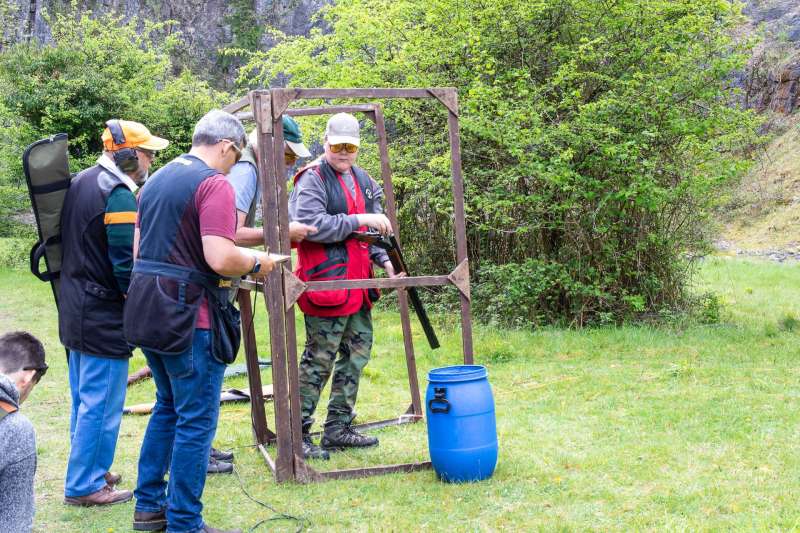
x=136, y=136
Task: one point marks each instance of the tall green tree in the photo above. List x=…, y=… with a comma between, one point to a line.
x=596, y=135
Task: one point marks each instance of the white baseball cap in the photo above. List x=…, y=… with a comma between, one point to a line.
x=343, y=128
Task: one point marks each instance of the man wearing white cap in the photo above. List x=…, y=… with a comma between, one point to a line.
x=337, y=197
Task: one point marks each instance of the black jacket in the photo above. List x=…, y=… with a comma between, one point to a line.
x=90, y=302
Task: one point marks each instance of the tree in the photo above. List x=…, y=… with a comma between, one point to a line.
x=595, y=135
x=94, y=70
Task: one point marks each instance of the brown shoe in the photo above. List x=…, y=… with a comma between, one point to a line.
x=112, y=478
x=105, y=496
x=144, y=521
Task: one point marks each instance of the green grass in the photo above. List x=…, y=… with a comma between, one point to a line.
x=619, y=428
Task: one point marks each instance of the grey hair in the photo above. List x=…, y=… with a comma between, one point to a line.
x=217, y=125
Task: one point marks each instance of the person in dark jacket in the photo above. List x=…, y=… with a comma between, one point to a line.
x=97, y=225
x=243, y=177
x=21, y=366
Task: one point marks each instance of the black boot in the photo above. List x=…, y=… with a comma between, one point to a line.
x=219, y=455
x=311, y=450
x=341, y=436
x=218, y=467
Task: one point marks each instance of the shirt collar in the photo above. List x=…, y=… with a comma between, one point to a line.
x=108, y=164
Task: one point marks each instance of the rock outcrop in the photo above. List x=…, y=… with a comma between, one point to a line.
x=207, y=25
x=780, y=93
x=772, y=80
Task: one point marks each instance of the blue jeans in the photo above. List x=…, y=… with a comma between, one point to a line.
x=179, y=434
x=98, y=386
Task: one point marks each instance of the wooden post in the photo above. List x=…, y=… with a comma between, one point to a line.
x=262, y=112
x=402, y=296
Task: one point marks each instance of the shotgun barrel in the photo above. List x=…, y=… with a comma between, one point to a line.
x=392, y=248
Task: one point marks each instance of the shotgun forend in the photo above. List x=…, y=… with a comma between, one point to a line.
x=396, y=257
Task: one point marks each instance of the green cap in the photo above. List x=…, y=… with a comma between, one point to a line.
x=293, y=137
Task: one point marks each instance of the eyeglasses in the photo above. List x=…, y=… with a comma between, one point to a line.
x=289, y=157
x=149, y=153
x=349, y=148
x=235, y=147
x=40, y=371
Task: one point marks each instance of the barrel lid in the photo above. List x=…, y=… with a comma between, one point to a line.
x=453, y=374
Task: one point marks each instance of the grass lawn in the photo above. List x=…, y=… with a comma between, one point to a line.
x=639, y=427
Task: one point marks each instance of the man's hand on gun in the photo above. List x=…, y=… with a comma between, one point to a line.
x=395, y=264
x=267, y=265
x=389, y=267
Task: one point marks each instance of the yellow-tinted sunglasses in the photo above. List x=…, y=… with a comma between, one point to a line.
x=349, y=148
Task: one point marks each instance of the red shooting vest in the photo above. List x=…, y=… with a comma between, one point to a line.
x=339, y=260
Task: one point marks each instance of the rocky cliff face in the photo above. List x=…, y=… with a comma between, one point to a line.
x=772, y=81
x=781, y=17
x=207, y=25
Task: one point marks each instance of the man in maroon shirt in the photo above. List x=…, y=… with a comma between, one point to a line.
x=179, y=314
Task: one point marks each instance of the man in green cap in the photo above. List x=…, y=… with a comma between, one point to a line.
x=247, y=187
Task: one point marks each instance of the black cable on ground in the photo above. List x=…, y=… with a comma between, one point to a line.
x=301, y=522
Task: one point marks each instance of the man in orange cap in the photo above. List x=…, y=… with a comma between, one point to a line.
x=97, y=228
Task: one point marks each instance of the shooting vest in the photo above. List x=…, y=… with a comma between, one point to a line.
x=170, y=275
x=348, y=259
x=90, y=302
x=248, y=156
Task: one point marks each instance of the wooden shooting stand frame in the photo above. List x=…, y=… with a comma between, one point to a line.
x=282, y=288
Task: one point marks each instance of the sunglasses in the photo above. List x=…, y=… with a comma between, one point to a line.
x=289, y=157
x=349, y=148
x=40, y=371
x=235, y=147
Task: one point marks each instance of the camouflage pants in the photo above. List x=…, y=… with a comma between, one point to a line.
x=350, y=337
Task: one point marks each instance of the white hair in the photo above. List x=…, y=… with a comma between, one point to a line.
x=217, y=125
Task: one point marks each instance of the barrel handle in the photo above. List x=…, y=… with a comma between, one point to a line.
x=439, y=394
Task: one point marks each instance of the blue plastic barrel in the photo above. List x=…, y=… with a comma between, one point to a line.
x=462, y=432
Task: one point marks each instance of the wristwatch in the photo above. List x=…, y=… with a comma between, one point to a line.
x=256, y=266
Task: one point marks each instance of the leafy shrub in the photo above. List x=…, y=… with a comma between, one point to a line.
x=595, y=138
x=789, y=322
x=15, y=252
x=529, y=293
x=95, y=69
x=708, y=308
x=15, y=203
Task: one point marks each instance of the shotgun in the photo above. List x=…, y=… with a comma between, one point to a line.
x=225, y=396
x=396, y=257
